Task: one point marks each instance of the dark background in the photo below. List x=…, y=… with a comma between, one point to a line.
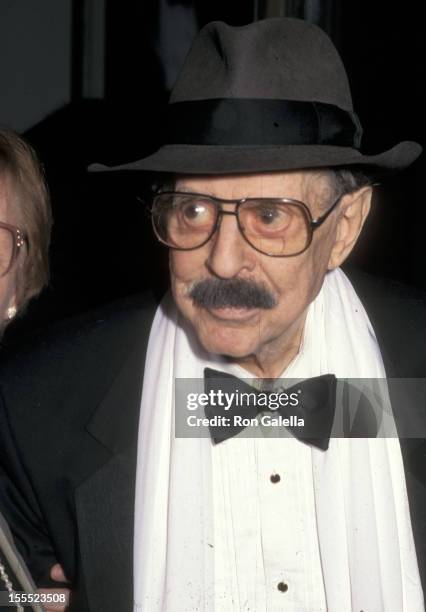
x=97, y=95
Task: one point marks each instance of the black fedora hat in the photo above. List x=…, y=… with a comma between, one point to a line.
x=272, y=95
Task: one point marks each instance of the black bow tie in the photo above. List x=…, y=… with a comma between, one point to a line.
x=312, y=400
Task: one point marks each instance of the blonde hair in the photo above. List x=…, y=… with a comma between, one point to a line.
x=24, y=175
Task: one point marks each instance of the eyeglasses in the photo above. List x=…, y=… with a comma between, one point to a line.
x=12, y=239
x=278, y=227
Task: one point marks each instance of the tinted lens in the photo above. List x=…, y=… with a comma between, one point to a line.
x=183, y=221
x=275, y=228
x=6, y=249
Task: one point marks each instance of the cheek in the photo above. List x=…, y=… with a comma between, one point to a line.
x=292, y=282
x=298, y=281
x=323, y=247
x=316, y=262
x=186, y=267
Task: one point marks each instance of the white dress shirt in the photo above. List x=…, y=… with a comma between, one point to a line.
x=265, y=527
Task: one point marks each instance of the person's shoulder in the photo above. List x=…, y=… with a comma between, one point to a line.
x=390, y=299
x=112, y=318
x=76, y=349
x=379, y=288
x=398, y=315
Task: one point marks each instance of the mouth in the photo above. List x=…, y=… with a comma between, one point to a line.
x=233, y=314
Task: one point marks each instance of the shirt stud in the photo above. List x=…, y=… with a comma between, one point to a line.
x=282, y=586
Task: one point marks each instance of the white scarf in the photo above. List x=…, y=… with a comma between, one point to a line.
x=365, y=536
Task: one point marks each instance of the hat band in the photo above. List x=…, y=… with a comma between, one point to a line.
x=247, y=121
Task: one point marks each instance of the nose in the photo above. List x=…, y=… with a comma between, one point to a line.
x=229, y=253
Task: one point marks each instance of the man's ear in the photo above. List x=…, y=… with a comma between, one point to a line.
x=353, y=211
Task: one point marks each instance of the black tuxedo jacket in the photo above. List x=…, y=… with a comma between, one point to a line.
x=69, y=411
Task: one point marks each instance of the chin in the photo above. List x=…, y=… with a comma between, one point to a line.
x=229, y=342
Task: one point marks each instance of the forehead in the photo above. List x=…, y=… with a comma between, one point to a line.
x=300, y=185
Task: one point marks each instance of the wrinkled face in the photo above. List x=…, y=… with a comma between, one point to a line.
x=291, y=282
x=8, y=283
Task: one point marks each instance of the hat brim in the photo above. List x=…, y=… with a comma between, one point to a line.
x=217, y=159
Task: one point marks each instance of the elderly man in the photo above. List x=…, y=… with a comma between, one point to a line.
x=262, y=198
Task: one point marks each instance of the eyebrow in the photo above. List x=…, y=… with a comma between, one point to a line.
x=185, y=189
